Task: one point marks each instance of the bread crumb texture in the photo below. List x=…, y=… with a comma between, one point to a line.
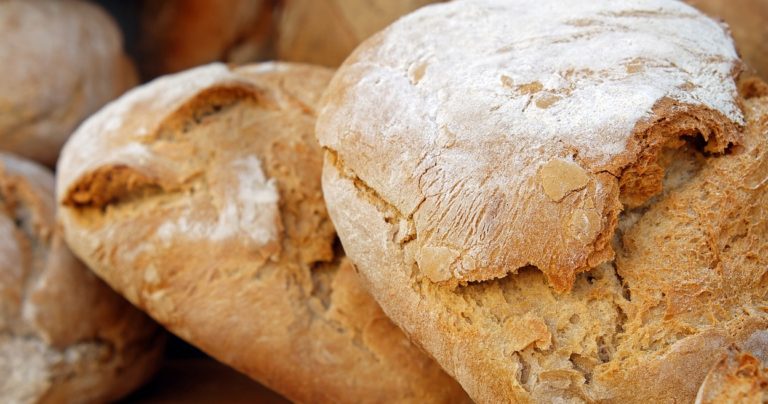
x=465, y=205
x=503, y=117
x=198, y=197
x=65, y=336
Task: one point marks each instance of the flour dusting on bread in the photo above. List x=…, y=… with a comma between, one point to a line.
x=473, y=100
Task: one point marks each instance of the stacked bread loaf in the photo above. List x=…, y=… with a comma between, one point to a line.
x=489, y=201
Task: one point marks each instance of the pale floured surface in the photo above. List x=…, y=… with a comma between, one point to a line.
x=250, y=209
x=450, y=114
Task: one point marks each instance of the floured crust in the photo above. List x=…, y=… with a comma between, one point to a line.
x=748, y=23
x=198, y=197
x=738, y=378
x=65, y=336
x=687, y=282
x=325, y=32
x=475, y=102
x=180, y=34
x=49, y=82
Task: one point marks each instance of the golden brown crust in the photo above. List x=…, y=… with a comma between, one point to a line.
x=180, y=34
x=207, y=212
x=325, y=32
x=53, y=83
x=65, y=336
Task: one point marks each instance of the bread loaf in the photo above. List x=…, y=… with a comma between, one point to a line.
x=179, y=34
x=65, y=336
x=559, y=203
x=326, y=31
x=62, y=60
x=198, y=197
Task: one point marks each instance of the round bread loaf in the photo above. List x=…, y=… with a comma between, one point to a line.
x=558, y=203
x=737, y=378
x=198, y=197
x=326, y=31
x=65, y=336
x=62, y=60
x=179, y=34
x=748, y=21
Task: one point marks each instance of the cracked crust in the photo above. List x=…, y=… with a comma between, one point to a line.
x=198, y=197
x=646, y=327
x=49, y=83
x=65, y=336
x=450, y=91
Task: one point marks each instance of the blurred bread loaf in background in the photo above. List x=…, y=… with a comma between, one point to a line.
x=179, y=34
x=62, y=60
x=65, y=336
x=325, y=32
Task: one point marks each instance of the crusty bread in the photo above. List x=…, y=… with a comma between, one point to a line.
x=326, y=31
x=198, y=197
x=748, y=22
x=62, y=60
x=452, y=90
x=739, y=378
x=179, y=34
x=496, y=171
x=65, y=336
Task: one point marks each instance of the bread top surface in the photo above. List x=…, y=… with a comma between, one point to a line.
x=198, y=197
x=688, y=281
x=506, y=134
x=52, y=307
x=52, y=81
x=325, y=32
x=739, y=377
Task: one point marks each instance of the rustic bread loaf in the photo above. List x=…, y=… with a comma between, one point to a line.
x=739, y=378
x=326, y=31
x=65, y=336
x=198, y=197
x=496, y=170
x=62, y=60
x=748, y=22
x=179, y=34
